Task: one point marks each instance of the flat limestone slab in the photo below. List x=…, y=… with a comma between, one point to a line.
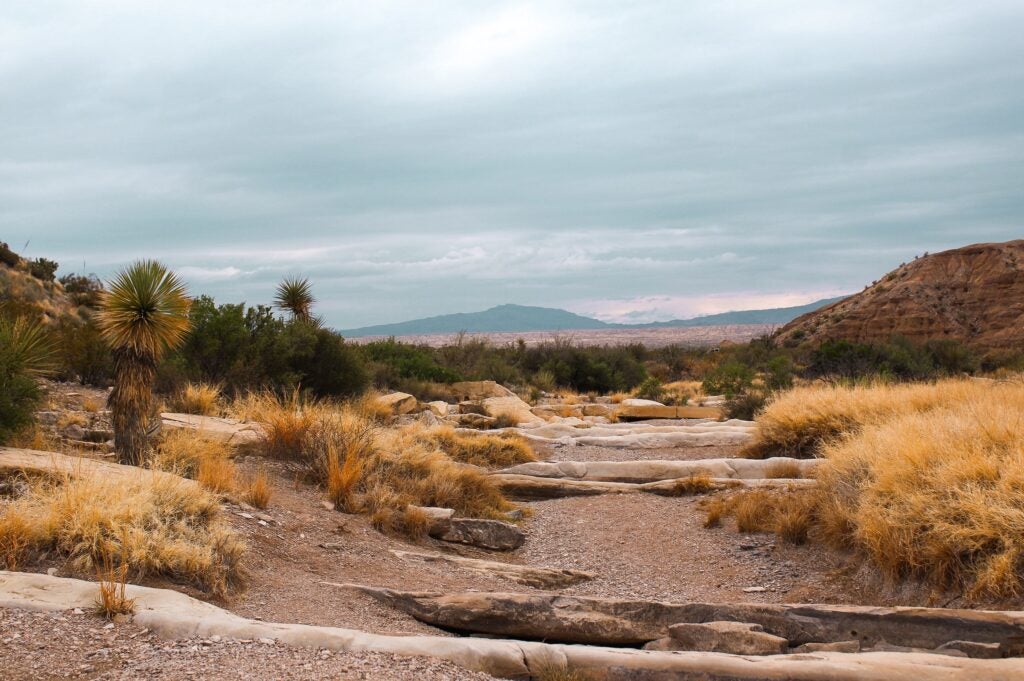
x=53, y=464
x=229, y=431
x=539, y=577
x=657, y=411
x=532, y=488
x=652, y=470
x=610, y=621
x=174, y=615
x=643, y=435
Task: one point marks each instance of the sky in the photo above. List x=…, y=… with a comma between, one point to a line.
x=633, y=161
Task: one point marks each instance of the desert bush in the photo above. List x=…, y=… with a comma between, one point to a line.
x=7, y=256
x=43, y=269
x=197, y=398
x=935, y=494
x=157, y=525
x=697, y=483
x=84, y=356
x=730, y=379
x=651, y=389
x=796, y=422
x=745, y=406
x=83, y=290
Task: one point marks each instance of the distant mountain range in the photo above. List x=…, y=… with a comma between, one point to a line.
x=524, y=318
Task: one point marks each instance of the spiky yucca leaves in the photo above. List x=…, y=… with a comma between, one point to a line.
x=26, y=353
x=143, y=314
x=26, y=346
x=296, y=295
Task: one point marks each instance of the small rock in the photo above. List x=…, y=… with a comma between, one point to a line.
x=754, y=590
x=332, y=546
x=267, y=641
x=52, y=572
x=78, y=611
x=981, y=651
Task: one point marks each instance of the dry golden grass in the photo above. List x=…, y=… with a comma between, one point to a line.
x=92, y=404
x=369, y=406
x=488, y=451
x=257, y=489
x=193, y=455
x=797, y=422
x=937, y=494
x=783, y=470
x=197, y=398
x=72, y=418
x=156, y=524
x=112, y=599
x=366, y=467
x=36, y=438
x=697, y=483
x=788, y=513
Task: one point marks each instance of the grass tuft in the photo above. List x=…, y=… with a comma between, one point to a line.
x=197, y=398
x=257, y=490
x=112, y=599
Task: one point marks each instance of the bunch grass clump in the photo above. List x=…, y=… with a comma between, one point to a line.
x=798, y=422
x=155, y=524
x=201, y=458
x=197, y=398
x=488, y=451
x=936, y=495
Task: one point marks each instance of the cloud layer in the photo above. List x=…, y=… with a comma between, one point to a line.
x=630, y=160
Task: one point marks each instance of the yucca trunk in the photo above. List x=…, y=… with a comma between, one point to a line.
x=131, y=404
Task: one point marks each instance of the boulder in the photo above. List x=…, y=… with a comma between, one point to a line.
x=532, y=488
x=636, y=402
x=486, y=534
x=476, y=391
x=476, y=420
x=597, y=410
x=398, y=403
x=736, y=638
x=494, y=535
x=438, y=408
x=537, y=577
x=229, y=431
x=643, y=412
x=55, y=465
x=511, y=407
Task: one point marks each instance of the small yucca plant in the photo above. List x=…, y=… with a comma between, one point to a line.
x=26, y=346
x=144, y=313
x=295, y=295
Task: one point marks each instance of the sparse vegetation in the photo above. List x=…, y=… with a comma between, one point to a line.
x=144, y=314
x=488, y=451
x=796, y=422
x=257, y=489
x=201, y=458
x=197, y=398
x=26, y=353
x=112, y=599
x=156, y=524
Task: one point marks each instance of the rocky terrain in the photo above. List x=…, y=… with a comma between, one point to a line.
x=973, y=294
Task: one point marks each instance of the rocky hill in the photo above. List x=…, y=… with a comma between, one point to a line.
x=30, y=288
x=973, y=294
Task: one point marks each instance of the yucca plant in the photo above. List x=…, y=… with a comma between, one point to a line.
x=26, y=354
x=295, y=295
x=143, y=314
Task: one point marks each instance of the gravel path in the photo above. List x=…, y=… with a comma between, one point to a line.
x=63, y=645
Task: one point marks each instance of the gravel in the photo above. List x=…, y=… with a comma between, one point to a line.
x=63, y=645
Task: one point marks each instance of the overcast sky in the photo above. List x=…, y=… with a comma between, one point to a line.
x=628, y=160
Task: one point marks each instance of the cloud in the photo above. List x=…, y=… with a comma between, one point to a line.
x=423, y=158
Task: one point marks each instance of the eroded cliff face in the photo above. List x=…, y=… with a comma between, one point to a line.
x=973, y=294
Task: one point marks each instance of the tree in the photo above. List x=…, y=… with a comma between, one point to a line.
x=144, y=313
x=296, y=296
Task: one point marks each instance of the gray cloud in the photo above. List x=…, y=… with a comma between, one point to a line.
x=633, y=160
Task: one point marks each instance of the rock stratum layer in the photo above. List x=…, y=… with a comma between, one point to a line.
x=973, y=294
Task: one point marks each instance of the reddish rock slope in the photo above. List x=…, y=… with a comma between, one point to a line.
x=973, y=294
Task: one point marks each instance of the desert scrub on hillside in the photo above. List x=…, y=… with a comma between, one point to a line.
x=155, y=524
x=798, y=421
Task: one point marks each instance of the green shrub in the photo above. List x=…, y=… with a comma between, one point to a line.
x=83, y=290
x=651, y=389
x=26, y=352
x=43, y=269
x=730, y=379
x=7, y=256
